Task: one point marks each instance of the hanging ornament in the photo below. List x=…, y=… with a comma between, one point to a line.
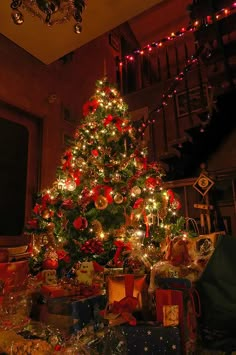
x=116, y=177
x=124, y=163
x=46, y=214
x=118, y=198
x=80, y=223
x=150, y=219
x=80, y=162
x=101, y=202
x=61, y=184
x=50, y=260
x=70, y=185
x=136, y=190
x=151, y=182
x=97, y=227
x=138, y=163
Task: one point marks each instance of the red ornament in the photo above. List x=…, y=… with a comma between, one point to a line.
x=151, y=182
x=95, y=153
x=50, y=259
x=50, y=264
x=80, y=223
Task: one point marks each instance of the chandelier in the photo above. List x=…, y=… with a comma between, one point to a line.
x=50, y=11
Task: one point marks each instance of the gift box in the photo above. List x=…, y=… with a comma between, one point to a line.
x=67, y=289
x=70, y=314
x=14, y=275
x=181, y=293
x=150, y=338
x=117, y=289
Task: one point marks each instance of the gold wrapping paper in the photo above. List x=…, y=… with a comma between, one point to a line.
x=170, y=315
x=116, y=289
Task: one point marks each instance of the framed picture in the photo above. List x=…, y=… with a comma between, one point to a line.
x=68, y=115
x=196, y=101
x=114, y=41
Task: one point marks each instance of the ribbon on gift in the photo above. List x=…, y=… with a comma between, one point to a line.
x=121, y=311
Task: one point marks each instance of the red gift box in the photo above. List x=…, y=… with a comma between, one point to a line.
x=185, y=301
x=14, y=275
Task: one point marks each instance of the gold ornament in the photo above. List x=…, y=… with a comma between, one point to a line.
x=124, y=163
x=46, y=214
x=118, y=198
x=80, y=162
x=136, y=190
x=101, y=202
x=50, y=234
x=116, y=177
x=71, y=185
x=97, y=227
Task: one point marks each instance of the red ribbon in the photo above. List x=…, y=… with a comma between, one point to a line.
x=127, y=305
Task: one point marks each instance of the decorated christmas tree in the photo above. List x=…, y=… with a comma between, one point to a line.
x=107, y=195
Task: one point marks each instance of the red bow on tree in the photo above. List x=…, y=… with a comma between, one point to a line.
x=120, y=245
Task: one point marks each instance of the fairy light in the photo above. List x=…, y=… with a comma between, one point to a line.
x=196, y=25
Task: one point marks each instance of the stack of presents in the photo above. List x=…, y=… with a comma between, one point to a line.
x=107, y=311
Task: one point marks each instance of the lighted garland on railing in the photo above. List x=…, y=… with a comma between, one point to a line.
x=196, y=25
x=172, y=89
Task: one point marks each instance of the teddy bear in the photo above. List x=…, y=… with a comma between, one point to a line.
x=86, y=272
x=49, y=277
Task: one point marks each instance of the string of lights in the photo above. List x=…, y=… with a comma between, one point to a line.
x=192, y=61
x=195, y=26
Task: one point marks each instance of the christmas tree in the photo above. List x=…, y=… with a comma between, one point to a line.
x=106, y=193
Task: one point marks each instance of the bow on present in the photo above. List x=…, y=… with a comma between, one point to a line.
x=121, y=311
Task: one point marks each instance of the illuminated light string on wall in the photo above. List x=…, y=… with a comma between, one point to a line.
x=196, y=25
x=193, y=60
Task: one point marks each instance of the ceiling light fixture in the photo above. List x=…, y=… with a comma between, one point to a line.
x=49, y=11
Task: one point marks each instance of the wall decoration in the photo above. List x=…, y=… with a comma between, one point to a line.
x=114, y=41
x=196, y=102
x=68, y=115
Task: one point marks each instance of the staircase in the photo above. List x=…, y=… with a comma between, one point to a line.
x=209, y=129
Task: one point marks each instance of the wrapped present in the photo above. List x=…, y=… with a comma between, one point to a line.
x=116, y=289
x=70, y=288
x=71, y=314
x=150, y=338
x=127, y=299
x=181, y=293
x=14, y=275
